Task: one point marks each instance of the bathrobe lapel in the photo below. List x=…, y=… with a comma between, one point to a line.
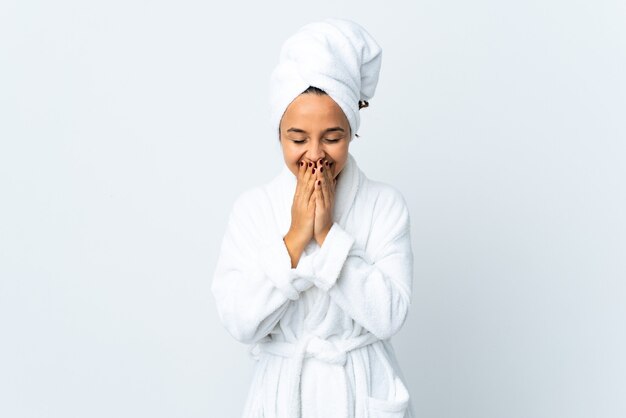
x=346, y=315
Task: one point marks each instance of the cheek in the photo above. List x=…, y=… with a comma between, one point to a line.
x=289, y=154
x=341, y=165
x=338, y=154
x=338, y=169
x=291, y=160
x=294, y=157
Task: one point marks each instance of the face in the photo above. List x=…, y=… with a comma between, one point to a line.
x=314, y=127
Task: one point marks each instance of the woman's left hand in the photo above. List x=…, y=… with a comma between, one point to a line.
x=324, y=199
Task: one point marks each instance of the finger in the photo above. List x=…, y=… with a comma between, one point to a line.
x=314, y=176
x=309, y=181
x=299, y=174
x=312, y=200
x=321, y=183
x=327, y=165
x=323, y=168
x=319, y=198
x=301, y=168
x=327, y=188
x=308, y=171
x=331, y=168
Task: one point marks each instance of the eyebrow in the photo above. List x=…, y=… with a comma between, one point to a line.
x=333, y=129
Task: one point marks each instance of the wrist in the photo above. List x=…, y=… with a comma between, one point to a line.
x=295, y=240
x=321, y=237
x=295, y=247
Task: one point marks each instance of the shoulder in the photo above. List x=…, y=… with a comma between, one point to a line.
x=258, y=206
x=390, y=212
x=386, y=197
x=249, y=216
x=260, y=196
x=250, y=196
x=251, y=201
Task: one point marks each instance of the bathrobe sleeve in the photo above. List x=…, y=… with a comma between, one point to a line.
x=374, y=290
x=254, y=284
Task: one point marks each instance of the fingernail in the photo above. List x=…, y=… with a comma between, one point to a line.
x=319, y=182
x=310, y=164
x=313, y=170
x=321, y=169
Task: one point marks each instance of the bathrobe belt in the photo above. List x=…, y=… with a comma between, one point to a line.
x=310, y=345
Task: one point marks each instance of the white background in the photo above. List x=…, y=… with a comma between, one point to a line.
x=128, y=128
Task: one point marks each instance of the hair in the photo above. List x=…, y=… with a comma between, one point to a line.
x=318, y=91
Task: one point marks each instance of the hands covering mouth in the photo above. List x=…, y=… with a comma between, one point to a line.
x=312, y=207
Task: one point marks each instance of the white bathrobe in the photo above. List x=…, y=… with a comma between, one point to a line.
x=320, y=332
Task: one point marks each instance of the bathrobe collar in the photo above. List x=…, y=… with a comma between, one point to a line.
x=346, y=189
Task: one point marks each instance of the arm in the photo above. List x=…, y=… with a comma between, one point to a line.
x=374, y=292
x=253, y=283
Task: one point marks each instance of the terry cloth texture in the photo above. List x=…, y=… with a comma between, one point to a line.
x=336, y=55
x=321, y=331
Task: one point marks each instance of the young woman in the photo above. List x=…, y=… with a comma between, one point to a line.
x=315, y=269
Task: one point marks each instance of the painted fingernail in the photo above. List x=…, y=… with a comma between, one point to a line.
x=321, y=169
x=313, y=170
x=319, y=182
x=310, y=164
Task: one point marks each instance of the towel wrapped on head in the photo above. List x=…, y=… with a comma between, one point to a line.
x=336, y=55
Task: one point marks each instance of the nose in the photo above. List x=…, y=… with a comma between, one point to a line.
x=315, y=152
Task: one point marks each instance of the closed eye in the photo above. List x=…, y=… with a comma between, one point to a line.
x=302, y=141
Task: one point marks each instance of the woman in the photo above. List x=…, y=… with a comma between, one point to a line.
x=315, y=269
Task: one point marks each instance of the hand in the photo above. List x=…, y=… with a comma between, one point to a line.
x=302, y=212
x=325, y=183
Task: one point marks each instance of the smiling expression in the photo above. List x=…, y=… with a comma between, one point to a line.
x=314, y=127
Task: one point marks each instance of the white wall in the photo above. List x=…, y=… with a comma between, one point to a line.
x=127, y=128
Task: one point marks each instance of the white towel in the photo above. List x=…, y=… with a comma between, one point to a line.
x=336, y=55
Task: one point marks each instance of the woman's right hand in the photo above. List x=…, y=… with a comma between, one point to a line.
x=302, y=212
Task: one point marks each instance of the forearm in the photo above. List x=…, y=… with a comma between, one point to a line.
x=295, y=247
